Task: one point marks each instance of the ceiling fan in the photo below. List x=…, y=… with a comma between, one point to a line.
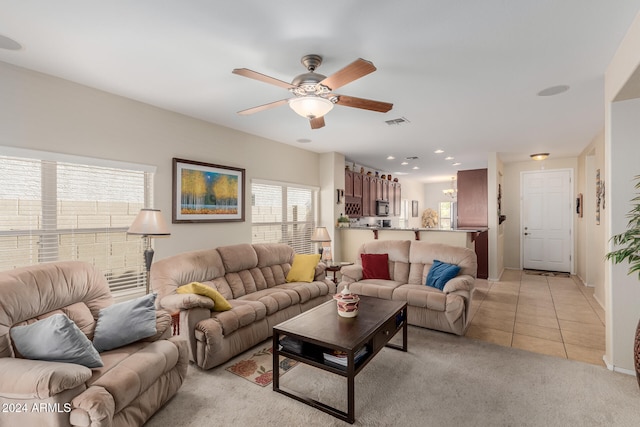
x=313, y=96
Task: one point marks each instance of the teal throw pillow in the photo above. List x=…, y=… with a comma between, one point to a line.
x=55, y=339
x=440, y=273
x=126, y=322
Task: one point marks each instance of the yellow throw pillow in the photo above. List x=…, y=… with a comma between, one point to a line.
x=219, y=302
x=303, y=268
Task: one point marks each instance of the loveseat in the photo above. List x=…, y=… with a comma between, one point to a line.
x=409, y=262
x=252, y=278
x=134, y=381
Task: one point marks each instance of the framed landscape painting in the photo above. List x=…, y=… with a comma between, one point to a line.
x=204, y=192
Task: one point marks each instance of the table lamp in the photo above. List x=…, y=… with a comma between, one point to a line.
x=320, y=234
x=149, y=223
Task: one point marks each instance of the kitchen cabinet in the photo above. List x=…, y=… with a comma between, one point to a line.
x=361, y=192
x=473, y=210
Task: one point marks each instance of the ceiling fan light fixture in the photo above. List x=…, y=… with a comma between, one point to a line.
x=310, y=107
x=539, y=156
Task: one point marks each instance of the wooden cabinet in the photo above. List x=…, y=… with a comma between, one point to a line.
x=473, y=209
x=357, y=184
x=348, y=183
x=398, y=199
x=366, y=196
x=361, y=192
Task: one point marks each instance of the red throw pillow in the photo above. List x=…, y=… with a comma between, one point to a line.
x=375, y=266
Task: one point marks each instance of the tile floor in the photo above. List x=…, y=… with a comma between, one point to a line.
x=557, y=316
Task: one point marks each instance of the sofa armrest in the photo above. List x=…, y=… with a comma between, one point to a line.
x=163, y=326
x=38, y=379
x=463, y=282
x=176, y=302
x=320, y=273
x=93, y=407
x=351, y=273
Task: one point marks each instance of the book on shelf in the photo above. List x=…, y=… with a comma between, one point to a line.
x=340, y=357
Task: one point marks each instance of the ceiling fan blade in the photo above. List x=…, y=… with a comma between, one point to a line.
x=245, y=72
x=263, y=107
x=358, y=68
x=365, y=104
x=317, y=123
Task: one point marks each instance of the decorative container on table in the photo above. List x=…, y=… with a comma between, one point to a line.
x=347, y=303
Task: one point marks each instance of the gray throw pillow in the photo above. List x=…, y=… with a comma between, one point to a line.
x=126, y=322
x=55, y=339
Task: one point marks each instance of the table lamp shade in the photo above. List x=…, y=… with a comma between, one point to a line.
x=320, y=234
x=149, y=222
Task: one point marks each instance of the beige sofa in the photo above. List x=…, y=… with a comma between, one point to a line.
x=135, y=381
x=409, y=264
x=252, y=278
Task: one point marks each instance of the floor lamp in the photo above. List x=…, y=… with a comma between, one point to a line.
x=149, y=223
x=320, y=234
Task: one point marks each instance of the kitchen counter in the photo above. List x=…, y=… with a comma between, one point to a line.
x=351, y=238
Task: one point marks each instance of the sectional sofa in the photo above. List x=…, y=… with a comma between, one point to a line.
x=252, y=278
x=408, y=265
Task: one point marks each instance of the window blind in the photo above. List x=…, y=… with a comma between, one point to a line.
x=54, y=210
x=283, y=213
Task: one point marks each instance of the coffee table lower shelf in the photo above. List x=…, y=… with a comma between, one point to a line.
x=372, y=337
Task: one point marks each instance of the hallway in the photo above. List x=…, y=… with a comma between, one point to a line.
x=557, y=316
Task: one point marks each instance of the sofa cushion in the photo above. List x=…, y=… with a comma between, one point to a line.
x=440, y=273
x=219, y=302
x=126, y=322
x=308, y=291
x=398, y=252
x=55, y=339
x=421, y=296
x=303, y=268
x=375, y=266
x=242, y=313
x=375, y=288
x=274, y=299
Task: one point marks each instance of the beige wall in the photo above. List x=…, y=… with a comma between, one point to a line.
x=46, y=113
x=495, y=172
x=590, y=236
x=511, y=201
x=622, y=151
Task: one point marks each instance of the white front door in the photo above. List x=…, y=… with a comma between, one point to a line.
x=547, y=220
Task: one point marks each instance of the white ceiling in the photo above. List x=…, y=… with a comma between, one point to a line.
x=464, y=73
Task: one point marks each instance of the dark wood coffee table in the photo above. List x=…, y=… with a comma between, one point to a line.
x=321, y=331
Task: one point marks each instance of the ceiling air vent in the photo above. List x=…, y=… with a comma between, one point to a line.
x=397, y=121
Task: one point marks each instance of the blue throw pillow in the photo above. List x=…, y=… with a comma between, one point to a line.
x=126, y=322
x=55, y=339
x=440, y=273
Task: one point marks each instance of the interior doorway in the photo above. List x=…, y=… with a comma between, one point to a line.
x=547, y=227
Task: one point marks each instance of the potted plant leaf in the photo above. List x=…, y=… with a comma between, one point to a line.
x=629, y=250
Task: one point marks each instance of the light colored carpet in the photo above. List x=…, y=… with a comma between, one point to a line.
x=443, y=380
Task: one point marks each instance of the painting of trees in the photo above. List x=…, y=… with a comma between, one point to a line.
x=204, y=192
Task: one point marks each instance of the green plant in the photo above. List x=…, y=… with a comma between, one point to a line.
x=630, y=239
x=343, y=218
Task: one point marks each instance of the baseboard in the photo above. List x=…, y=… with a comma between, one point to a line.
x=491, y=279
x=614, y=368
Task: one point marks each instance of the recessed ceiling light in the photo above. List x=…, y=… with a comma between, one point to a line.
x=303, y=140
x=448, y=158
x=438, y=151
x=404, y=163
x=9, y=44
x=457, y=164
x=401, y=173
x=390, y=158
x=415, y=168
x=553, y=90
x=539, y=156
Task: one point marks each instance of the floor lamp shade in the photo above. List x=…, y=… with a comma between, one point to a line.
x=320, y=234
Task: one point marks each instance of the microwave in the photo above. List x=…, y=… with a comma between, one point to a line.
x=382, y=208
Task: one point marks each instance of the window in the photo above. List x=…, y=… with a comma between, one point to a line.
x=283, y=213
x=59, y=208
x=445, y=215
